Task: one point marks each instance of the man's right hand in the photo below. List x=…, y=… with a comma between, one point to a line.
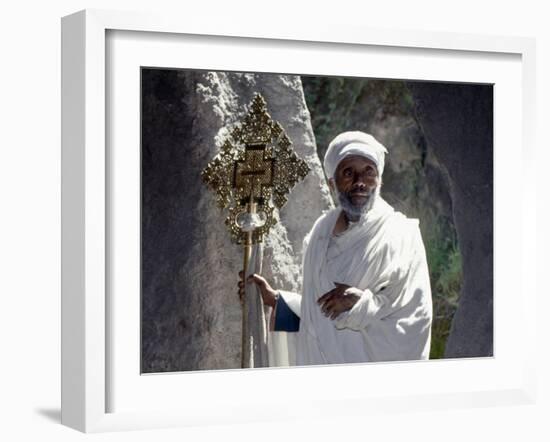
x=269, y=296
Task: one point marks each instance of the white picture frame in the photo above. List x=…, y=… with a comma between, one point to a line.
x=85, y=202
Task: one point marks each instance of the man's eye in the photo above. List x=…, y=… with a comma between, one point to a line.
x=371, y=171
x=347, y=172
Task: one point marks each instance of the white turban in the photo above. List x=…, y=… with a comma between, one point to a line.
x=353, y=143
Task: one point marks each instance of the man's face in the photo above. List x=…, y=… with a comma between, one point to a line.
x=356, y=180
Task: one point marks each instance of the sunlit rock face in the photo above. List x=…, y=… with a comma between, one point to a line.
x=191, y=315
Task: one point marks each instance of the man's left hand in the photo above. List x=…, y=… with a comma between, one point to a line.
x=340, y=299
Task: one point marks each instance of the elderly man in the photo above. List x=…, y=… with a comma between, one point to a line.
x=366, y=290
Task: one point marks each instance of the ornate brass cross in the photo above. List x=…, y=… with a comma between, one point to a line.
x=255, y=168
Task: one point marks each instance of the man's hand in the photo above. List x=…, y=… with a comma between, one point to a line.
x=269, y=296
x=340, y=299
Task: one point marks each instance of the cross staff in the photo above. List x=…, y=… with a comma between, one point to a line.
x=255, y=168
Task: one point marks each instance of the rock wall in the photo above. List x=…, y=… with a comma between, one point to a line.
x=457, y=121
x=191, y=315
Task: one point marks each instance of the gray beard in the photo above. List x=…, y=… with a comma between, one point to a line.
x=353, y=212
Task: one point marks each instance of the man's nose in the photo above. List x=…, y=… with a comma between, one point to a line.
x=359, y=182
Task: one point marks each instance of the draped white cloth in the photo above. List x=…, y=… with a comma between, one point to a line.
x=383, y=255
x=256, y=351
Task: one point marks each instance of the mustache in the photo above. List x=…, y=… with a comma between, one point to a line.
x=360, y=192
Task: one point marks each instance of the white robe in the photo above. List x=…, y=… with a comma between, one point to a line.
x=384, y=256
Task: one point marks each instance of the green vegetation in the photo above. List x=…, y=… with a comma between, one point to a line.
x=346, y=103
x=445, y=264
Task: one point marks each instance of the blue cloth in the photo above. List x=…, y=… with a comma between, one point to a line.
x=285, y=318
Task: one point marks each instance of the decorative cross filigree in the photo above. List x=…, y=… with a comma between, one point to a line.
x=256, y=166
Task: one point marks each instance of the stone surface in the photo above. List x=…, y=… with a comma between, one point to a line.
x=457, y=121
x=191, y=315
